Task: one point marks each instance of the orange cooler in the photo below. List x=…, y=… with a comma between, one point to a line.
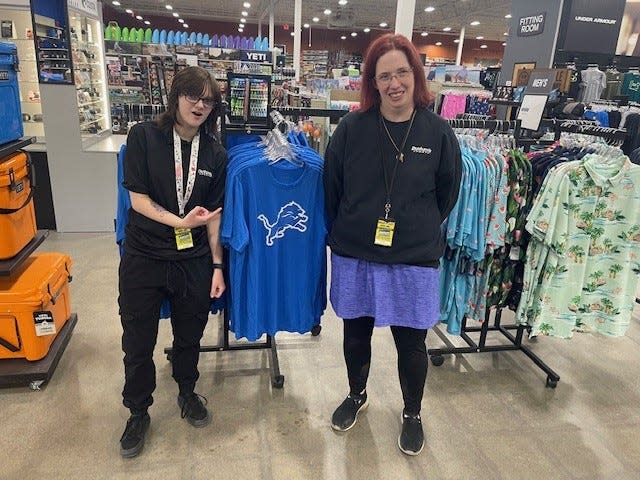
x=17, y=215
x=34, y=305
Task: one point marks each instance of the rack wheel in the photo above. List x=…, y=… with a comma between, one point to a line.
x=35, y=385
x=315, y=331
x=551, y=383
x=437, y=360
x=277, y=381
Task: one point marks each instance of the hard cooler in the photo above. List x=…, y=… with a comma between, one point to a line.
x=40, y=285
x=10, y=111
x=17, y=214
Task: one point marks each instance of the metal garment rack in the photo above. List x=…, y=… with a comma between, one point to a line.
x=515, y=341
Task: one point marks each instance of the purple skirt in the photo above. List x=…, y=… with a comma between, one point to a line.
x=398, y=295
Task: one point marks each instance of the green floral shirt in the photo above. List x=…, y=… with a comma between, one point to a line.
x=582, y=262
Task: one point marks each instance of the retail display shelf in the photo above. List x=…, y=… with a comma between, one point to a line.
x=7, y=267
x=54, y=49
x=50, y=38
x=11, y=147
x=86, y=104
x=98, y=119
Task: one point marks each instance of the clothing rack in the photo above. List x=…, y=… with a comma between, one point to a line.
x=515, y=341
x=581, y=126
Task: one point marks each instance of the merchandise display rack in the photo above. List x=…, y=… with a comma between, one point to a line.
x=19, y=371
x=515, y=342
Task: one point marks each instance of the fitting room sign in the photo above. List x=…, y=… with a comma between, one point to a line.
x=531, y=25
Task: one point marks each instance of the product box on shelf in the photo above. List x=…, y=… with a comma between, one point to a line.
x=10, y=111
x=34, y=306
x=17, y=214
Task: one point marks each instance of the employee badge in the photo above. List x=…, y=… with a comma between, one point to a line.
x=384, y=232
x=184, y=239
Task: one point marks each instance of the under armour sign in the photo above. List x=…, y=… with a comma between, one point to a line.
x=532, y=25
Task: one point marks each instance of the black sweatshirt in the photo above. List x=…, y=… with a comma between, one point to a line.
x=424, y=191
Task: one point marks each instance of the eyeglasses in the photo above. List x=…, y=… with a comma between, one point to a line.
x=207, y=102
x=386, y=77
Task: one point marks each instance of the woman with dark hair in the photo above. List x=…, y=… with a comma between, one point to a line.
x=174, y=170
x=391, y=177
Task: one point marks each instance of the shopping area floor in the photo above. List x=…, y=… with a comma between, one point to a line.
x=486, y=416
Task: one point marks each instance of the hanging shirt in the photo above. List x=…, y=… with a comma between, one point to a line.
x=594, y=81
x=631, y=86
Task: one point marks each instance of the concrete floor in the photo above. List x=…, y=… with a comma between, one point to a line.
x=486, y=416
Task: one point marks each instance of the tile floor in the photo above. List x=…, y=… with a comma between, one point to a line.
x=486, y=416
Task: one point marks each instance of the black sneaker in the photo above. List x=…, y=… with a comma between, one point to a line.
x=193, y=409
x=411, y=439
x=346, y=414
x=132, y=439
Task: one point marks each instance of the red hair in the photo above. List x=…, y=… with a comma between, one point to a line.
x=369, y=95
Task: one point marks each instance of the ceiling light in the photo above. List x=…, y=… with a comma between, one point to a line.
x=354, y=34
x=327, y=12
x=292, y=34
x=315, y=19
x=504, y=44
x=306, y=25
x=483, y=46
x=168, y=7
x=424, y=34
x=128, y=10
x=147, y=22
x=185, y=25
x=343, y=37
x=438, y=43
x=505, y=34
x=474, y=23
x=246, y=5
x=181, y=20
x=176, y=14
x=508, y=15
x=383, y=24
x=429, y=9
x=116, y=3
x=139, y=17
x=241, y=30
x=342, y=2
x=243, y=20
x=457, y=40
x=366, y=30
x=446, y=29
x=480, y=37
x=245, y=13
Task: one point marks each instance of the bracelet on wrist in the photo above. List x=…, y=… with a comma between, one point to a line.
x=218, y=265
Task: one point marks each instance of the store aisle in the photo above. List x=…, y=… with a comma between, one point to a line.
x=485, y=416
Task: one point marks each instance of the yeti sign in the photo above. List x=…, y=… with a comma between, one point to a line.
x=532, y=25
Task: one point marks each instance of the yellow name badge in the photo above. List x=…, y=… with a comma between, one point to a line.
x=384, y=232
x=184, y=239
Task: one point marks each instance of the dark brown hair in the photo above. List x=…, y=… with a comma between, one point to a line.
x=369, y=95
x=193, y=81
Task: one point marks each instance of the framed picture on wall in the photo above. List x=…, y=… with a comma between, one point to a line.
x=521, y=73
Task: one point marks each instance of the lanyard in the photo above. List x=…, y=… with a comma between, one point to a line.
x=399, y=158
x=193, y=165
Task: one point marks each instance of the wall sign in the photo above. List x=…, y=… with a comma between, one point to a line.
x=593, y=26
x=541, y=82
x=531, y=25
x=89, y=7
x=256, y=56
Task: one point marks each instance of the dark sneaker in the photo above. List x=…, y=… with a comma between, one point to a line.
x=193, y=409
x=411, y=439
x=346, y=414
x=132, y=439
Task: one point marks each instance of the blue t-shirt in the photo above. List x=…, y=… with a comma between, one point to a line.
x=274, y=226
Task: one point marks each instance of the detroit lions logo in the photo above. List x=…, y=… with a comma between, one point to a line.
x=291, y=215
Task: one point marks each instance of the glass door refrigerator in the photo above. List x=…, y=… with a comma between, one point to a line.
x=249, y=97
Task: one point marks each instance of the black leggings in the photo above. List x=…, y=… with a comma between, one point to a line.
x=412, y=359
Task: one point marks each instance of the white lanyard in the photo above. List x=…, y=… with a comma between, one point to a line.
x=193, y=166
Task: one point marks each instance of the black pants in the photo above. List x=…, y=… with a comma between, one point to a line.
x=412, y=359
x=144, y=283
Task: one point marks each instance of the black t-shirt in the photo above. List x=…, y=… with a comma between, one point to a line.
x=424, y=192
x=149, y=168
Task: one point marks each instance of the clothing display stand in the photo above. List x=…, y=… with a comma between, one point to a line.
x=515, y=342
x=19, y=371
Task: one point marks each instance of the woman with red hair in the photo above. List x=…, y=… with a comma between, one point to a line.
x=391, y=177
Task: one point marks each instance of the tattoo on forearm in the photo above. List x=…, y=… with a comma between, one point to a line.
x=158, y=208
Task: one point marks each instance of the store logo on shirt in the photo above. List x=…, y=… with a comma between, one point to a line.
x=423, y=150
x=290, y=216
x=205, y=173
